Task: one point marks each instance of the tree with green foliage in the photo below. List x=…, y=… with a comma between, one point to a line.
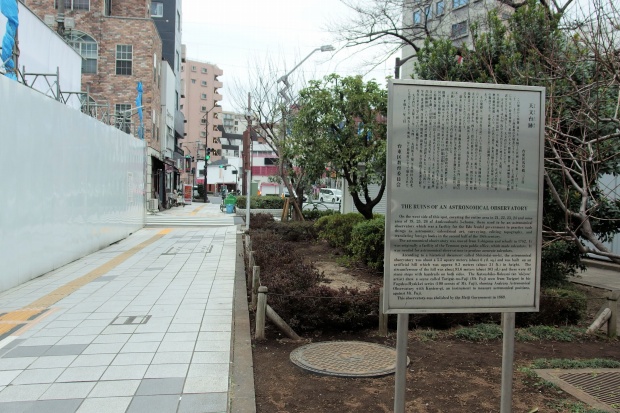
x=341, y=122
x=578, y=64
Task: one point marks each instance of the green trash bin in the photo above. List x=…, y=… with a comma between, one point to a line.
x=230, y=202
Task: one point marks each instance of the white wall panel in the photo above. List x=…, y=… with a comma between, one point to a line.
x=42, y=50
x=70, y=185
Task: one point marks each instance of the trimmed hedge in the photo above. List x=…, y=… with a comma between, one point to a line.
x=337, y=229
x=261, y=202
x=367, y=242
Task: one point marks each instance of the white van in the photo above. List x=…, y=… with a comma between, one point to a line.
x=332, y=195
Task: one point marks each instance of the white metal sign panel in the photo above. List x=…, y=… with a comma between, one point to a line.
x=464, y=191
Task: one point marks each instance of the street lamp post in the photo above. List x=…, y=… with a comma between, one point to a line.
x=287, y=99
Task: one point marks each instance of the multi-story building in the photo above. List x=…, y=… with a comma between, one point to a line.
x=202, y=112
x=449, y=19
x=167, y=17
x=120, y=47
x=234, y=123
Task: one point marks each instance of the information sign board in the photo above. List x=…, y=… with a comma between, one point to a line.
x=188, y=191
x=464, y=191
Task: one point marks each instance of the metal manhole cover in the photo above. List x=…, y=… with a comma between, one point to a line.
x=600, y=388
x=346, y=358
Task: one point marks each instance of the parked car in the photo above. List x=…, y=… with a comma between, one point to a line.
x=286, y=194
x=332, y=195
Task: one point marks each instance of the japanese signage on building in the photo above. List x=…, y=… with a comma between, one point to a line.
x=464, y=192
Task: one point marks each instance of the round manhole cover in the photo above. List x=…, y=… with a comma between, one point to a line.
x=346, y=358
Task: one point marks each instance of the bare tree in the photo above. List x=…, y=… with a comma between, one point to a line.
x=270, y=119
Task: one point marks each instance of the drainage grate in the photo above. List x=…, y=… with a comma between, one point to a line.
x=604, y=386
x=130, y=320
x=599, y=388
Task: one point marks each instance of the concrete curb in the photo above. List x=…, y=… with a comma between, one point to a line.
x=605, y=265
x=242, y=397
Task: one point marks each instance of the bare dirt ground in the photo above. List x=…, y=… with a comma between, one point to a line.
x=445, y=374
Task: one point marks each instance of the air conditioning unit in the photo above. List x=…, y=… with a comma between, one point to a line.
x=49, y=19
x=153, y=204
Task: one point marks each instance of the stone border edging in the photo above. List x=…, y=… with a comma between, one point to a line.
x=242, y=397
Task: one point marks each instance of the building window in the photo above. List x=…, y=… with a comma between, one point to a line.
x=203, y=108
x=203, y=83
x=203, y=70
x=178, y=21
x=86, y=46
x=203, y=96
x=193, y=81
x=203, y=121
x=193, y=68
x=178, y=56
x=417, y=17
x=157, y=9
x=427, y=13
x=124, y=57
x=122, y=117
x=459, y=3
x=459, y=29
x=439, y=8
x=75, y=4
x=203, y=134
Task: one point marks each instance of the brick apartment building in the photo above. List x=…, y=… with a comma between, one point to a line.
x=120, y=47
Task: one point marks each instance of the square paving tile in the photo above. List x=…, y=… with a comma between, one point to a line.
x=151, y=387
x=52, y=362
x=156, y=371
x=55, y=406
x=146, y=347
x=128, y=359
x=124, y=372
x=204, y=403
x=89, y=360
x=36, y=376
x=75, y=374
x=103, y=348
x=27, y=351
x=68, y=391
x=204, y=357
x=150, y=404
x=24, y=392
x=65, y=350
x=41, y=406
x=115, y=388
x=206, y=384
x=107, y=405
x=176, y=346
x=213, y=345
x=200, y=370
x=16, y=363
x=172, y=357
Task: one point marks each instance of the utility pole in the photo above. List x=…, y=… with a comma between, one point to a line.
x=206, y=198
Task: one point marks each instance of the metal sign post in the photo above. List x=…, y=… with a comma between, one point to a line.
x=464, y=219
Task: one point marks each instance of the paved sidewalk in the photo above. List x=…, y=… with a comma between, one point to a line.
x=144, y=325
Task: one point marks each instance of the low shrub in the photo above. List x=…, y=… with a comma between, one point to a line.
x=260, y=202
x=294, y=289
x=574, y=364
x=293, y=231
x=261, y=221
x=559, y=260
x=558, y=307
x=313, y=215
x=480, y=332
x=367, y=242
x=336, y=229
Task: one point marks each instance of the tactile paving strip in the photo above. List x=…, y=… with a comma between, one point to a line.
x=346, y=358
